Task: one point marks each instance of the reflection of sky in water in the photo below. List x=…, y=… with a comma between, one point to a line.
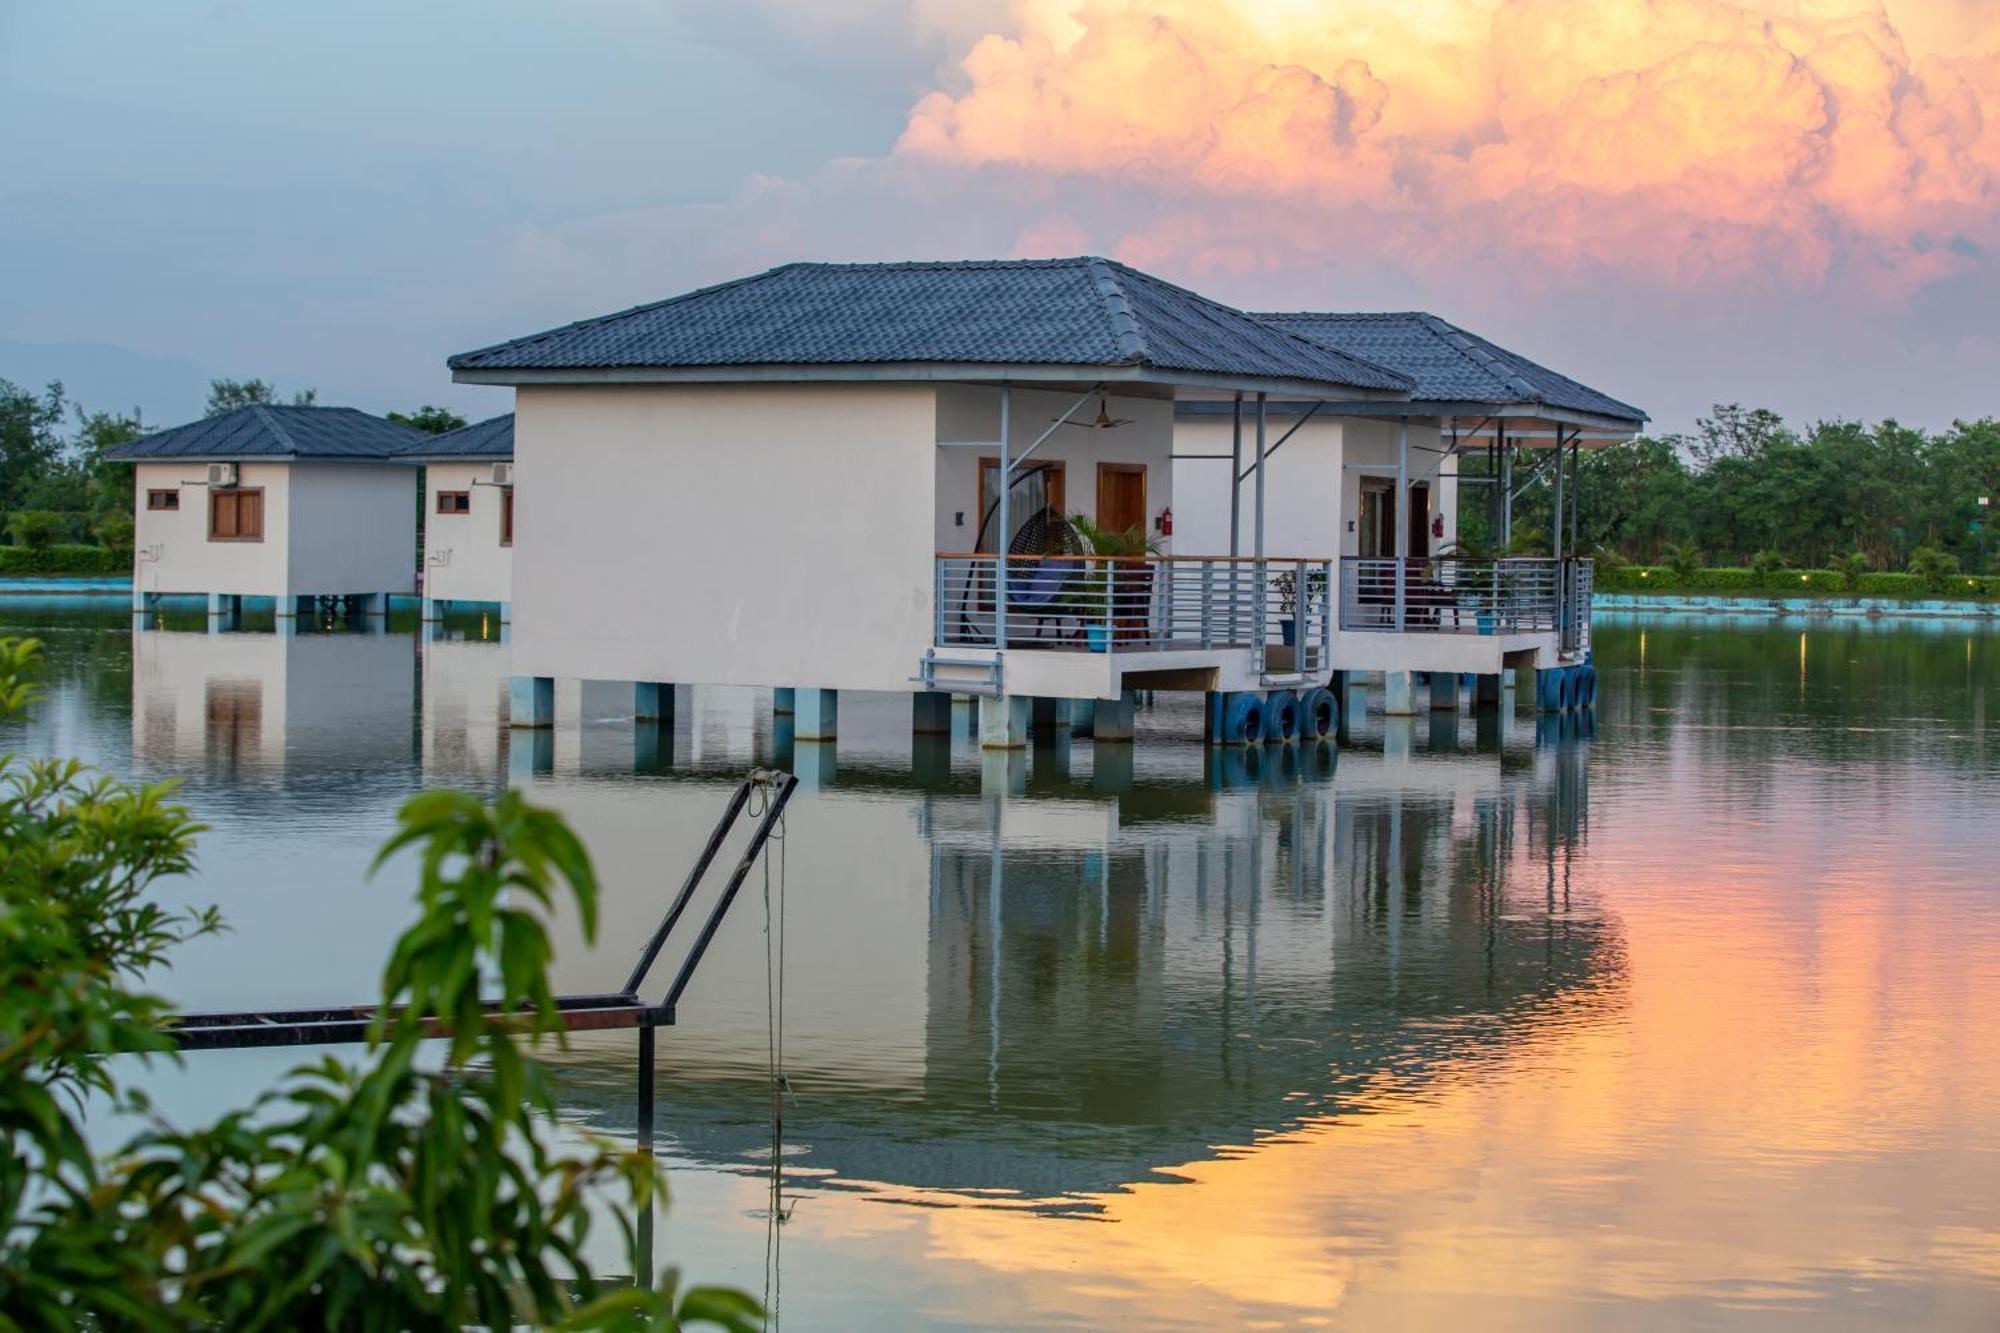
x=1685, y=1023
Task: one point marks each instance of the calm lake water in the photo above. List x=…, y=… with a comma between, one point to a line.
x=1688, y=1022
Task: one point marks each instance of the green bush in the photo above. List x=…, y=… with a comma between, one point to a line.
x=115, y=531
x=1932, y=567
x=37, y=529
x=1684, y=559
x=64, y=559
x=1792, y=583
x=1850, y=568
x=374, y=1192
x=1767, y=563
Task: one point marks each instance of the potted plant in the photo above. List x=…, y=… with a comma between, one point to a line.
x=1286, y=585
x=1123, y=579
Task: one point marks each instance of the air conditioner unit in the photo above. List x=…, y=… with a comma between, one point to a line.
x=222, y=474
x=503, y=474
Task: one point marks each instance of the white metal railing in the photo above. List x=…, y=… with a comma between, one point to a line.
x=1459, y=595
x=1280, y=608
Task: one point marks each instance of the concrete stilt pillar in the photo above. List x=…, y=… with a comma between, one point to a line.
x=1049, y=717
x=434, y=608
x=1398, y=736
x=1003, y=722
x=930, y=713
x=816, y=763
x=530, y=754
x=141, y=601
x=817, y=715
x=1004, y=772
x=1115, y=717
x=1398, y=694
x=1486, y=691
x=653, y=701
x=783, y=701
x=531, y=701
x=1083, y=717
x=930, y=759
x=653, y=747
x=1111, y=768
x=1444, y=690
x=506, y=613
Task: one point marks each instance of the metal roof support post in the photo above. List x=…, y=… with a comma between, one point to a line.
x=1257, y=626
x=1402, y=543
x=1556, y=547
x=1507, y=493
x=1236, y=478
x=1261, y=419
x=1575, y=486
x=1006, y=535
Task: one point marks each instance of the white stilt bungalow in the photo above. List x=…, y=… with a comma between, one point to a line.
x=468, y=516
x=857, y=476
x=1379, y=485
x=286, y=503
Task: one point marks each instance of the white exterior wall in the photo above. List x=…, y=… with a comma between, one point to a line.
x=775, y=535
x=1312, y=495
x=353, y=528
x=328, y=528
x=173, y=552
x=966, y=412
x=463, y=558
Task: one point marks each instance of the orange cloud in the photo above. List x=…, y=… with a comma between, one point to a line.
x=1679, y=138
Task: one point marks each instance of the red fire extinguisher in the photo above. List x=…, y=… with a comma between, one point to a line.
x=1437, y=526
x=1165, y=523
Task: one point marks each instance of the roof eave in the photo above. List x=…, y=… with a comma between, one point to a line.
x=927, y=372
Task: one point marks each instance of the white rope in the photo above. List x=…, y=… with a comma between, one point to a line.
x=774, y=1038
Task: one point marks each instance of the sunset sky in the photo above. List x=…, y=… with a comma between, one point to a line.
x=1783, y=202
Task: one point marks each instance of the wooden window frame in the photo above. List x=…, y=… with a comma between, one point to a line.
x=506, y=515
x=454, y=512
x=170, y=495
x=216, y=493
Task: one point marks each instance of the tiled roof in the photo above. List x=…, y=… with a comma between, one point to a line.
x=276, y=432
x=1081, y=313
x=493, y=438
x=1450, y=364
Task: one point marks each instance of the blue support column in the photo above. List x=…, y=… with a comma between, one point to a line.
x=1487, y=691
x=653, y=701
x=506, y=613
x=531, y=701
x=930, y=713
x=783, y=701
x=1113, y=718
x=1444, y=691
x=1083, y=717
x=818, y=715
x=1049, y=716
x=434, y=608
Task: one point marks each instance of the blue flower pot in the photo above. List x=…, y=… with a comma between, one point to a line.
x=1098, y=637
x=1289, y=627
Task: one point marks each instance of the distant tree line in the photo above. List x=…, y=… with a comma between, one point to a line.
x=57, y=487
x=1747, y=489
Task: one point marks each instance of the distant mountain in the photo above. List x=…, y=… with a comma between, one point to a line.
x=107, y=377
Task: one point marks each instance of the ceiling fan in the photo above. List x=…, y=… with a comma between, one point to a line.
x=1104, y=421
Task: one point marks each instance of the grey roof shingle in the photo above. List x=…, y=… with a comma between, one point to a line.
x=1084, y=312
x=492, y=438
x=276, y=432
x=1448, y=363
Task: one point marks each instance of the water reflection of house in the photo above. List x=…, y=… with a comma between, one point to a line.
x=1086, y=999
x=252, y=704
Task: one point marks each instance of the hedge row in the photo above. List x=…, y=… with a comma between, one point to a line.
x=62, y=559
x=1792, y=583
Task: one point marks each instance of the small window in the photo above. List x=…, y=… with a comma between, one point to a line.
x=163, y=499
x=236, y=515
x=507, y=516
x=454, y=502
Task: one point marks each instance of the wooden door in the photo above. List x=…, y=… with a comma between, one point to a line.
x=1121, y=497
x=1420, y=519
